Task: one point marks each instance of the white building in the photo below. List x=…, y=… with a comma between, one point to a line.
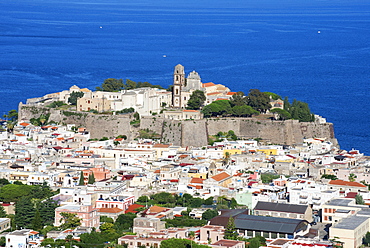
x=24, y=238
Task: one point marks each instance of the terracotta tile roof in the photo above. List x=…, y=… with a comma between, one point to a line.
x=213, y=93
x=157, y=171
x=160, y=146
x=156, y=209
x=346, y=183
x=19, y=134
x=219, y=99
x=131, y=208
x=110, y=210
x=208, y=84
x=221, y=176
x=197, y=180
x=24, y=124
x=231, y=93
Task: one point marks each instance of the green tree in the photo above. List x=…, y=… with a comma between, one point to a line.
x=300, y=111
x=209, y=214
x=24, y=212
x=91, y=178
x=258, y=100
x=42, y=191
x=238, y=99
x=196, y=100
x=273, y=96
x=196, y=202
x=359, y=200
x=331, y=177
x=129, y=85
x=142, y=200
x=208, y=201
x=12, y=116
x=73, y=97
x=230, y=230
x=4, y=181
x=69, y=221
x=220, y=107
x=282, y=114
x=254, y=243
x=106, y=227
x=82, y=179
x=366, y=239
x=37, y=222
x=2, y=212
x=267, y=177
x=47, y=211
x=163, y=198
x=233, y=203
x=13, y=192
x=2, y=242
x=243, y=110
x=352, y=177
x=124, y=222
x=231, y=135
x=111, y=85
x=106, y=219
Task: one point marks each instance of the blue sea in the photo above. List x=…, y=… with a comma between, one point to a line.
x=316, y=51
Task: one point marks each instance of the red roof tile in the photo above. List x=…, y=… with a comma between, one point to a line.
x=208, y=84
x=346, y=183
x=197, y=180
x=221, y=176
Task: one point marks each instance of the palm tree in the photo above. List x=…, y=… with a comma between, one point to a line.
x=226, y=158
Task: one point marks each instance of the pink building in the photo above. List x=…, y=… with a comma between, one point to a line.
x=121, y=202
x=87, y=213
x=211, y=233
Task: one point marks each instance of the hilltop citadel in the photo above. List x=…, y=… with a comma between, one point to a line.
x=133, y=162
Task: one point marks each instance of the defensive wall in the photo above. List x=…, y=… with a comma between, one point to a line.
x=185, y=132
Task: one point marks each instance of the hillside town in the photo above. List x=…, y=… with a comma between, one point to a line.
x=62, y=188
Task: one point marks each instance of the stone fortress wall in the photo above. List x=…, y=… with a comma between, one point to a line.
x=186, y=132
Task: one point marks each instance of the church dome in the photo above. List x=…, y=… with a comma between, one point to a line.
x=194, y=75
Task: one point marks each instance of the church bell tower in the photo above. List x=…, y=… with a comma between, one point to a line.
x=178, y=83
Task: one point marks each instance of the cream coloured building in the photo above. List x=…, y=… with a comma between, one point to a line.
x=350, y=231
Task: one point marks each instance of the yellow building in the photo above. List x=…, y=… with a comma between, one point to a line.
x=98, y=104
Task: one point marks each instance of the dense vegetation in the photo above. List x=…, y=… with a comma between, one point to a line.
x=115, y=85
x=196, y=100
x=74, y=96
x=257, y=102
x=34, y=208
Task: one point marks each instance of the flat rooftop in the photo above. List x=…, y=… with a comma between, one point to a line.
x=351, y=223
x=340, y=202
